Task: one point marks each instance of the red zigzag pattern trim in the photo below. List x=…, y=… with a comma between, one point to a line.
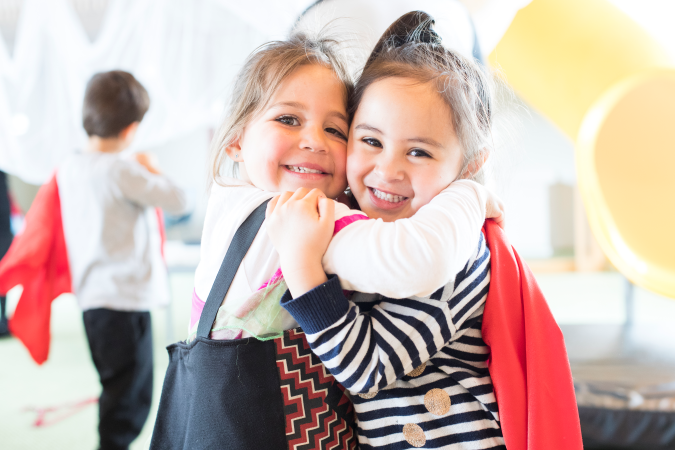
x=318, y=413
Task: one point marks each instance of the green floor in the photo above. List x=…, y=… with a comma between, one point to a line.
x=69, y=376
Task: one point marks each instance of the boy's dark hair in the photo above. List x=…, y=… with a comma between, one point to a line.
x=113, y=101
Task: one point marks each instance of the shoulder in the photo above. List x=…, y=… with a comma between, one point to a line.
x=471, y=285
x=478, y=265
x=120, y=166
x=344, y=215
x=235, y=195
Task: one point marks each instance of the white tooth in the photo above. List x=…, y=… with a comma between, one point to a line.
x=302, y=169
x=388, y=197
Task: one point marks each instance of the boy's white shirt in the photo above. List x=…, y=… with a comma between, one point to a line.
x=111, y=230
x=413, y=256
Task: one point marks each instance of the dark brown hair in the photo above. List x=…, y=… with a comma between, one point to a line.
x=113, y=101
x=410, y=48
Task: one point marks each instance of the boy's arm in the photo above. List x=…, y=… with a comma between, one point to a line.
x=139, y=185
x=414, y=256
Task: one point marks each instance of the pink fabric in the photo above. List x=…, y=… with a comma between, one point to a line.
x=197, y=307
x=198, y=304
x=346, y=220
x=277, y=275
x=339, y=225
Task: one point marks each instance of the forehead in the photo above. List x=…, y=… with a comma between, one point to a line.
x=311, y=83
x=406, y=108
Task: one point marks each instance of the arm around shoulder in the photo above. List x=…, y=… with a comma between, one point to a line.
x=413, y=256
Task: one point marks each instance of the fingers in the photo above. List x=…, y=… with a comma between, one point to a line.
x=501, y=220
x=300, y=193
x=283, y=198
x=326, y=210
x=270, y=206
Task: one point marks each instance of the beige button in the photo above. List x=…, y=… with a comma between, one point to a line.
x=368, y=396
x=417, y=371
x=437, y=402
x=414, y=435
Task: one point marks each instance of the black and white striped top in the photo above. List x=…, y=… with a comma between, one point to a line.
x=419, y=365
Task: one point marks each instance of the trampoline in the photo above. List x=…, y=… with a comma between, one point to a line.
x=624, y=378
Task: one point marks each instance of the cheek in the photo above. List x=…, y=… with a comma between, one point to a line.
x=427, y=182
x=263, y=157
x=357, y=168
x=339, y=153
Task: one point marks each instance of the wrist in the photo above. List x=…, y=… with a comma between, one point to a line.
x=302, y=276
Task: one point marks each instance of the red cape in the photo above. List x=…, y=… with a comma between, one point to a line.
x=37, y=260
x=528, y=360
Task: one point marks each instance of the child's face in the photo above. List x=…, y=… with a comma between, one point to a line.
x=403, y=149
x=300, y=139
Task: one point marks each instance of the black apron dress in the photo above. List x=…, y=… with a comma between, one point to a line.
x=249, y=394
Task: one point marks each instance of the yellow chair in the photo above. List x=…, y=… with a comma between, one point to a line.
x=606, y=83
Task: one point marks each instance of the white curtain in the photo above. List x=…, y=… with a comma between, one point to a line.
x=185, y=52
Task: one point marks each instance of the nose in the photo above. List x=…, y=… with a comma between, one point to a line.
x=389, y=167
x=313, y=139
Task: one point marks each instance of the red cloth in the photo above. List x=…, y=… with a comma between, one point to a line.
x=528, y=360
x=37, y=260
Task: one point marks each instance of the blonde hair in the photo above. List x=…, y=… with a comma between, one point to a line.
x=257, y=81
x=410, y=48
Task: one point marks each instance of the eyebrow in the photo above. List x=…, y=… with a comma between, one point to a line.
x=364, y=126
x=428, y=141
x=301, y=107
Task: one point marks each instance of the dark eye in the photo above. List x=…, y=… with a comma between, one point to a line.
x=372, y=142
x=288, y=120
x=336, y=132
x=419, y=153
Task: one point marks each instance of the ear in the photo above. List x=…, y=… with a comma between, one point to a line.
x=475, y=165
x=234, y=151
x=127, y=134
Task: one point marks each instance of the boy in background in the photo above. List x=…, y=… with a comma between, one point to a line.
x=111, y=238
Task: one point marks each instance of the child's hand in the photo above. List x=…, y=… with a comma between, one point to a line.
x=300, y=226
x=494, y=209
x=149, y=161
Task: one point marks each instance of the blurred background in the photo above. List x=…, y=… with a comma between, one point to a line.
x=586, y=167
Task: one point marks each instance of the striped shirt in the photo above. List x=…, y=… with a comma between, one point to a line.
x=418, y=364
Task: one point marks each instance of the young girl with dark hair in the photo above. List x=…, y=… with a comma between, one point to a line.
x=418, y=365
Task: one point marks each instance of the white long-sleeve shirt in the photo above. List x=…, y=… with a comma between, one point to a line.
x=413, y=256
x=111, y=230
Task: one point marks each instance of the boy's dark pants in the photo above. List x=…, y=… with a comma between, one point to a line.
x=121, y=347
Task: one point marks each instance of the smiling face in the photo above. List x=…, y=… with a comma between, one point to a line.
x=403, y=149
x=300, y=138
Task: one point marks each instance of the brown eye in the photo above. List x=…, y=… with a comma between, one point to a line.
x=336, y=132
x=288, y=120
x=372, y=142
x=419, y=153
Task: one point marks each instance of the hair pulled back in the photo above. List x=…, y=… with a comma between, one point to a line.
x=263, y=72
x=410, y=48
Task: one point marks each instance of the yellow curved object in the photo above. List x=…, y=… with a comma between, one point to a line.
x=562, y=55
x=606, y=83
x=626, y=170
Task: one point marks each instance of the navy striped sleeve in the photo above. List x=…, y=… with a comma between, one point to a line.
x=319, y=308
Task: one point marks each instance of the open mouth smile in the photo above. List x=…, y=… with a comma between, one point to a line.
x=393, y=199
x=299, y=169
